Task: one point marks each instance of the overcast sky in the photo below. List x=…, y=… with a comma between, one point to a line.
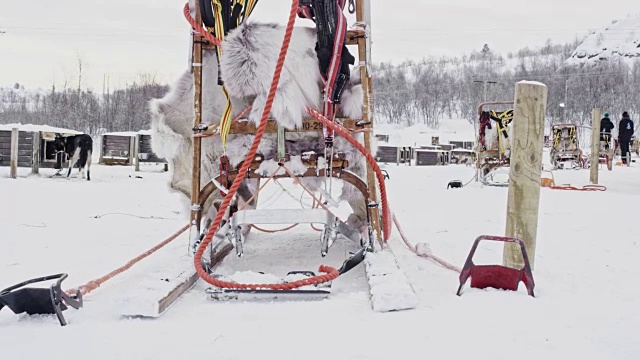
x=124, y=38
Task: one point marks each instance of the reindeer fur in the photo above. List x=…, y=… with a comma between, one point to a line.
x=249, y=57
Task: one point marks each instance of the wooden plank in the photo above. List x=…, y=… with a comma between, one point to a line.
x=196, y=161
x=160, y=289
x=308, y=125
x=525, y=171
x=389, y=287
x=22, y=144
x=117, y=140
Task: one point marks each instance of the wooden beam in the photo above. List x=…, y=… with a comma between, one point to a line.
x=595, y=146
x=363, y=16
x=14, y=153
x=132, y=151
x=308, y=125
x=525, y=170
x=351, y=39
x=137, y=152
x=197, y=65
x=35, y=153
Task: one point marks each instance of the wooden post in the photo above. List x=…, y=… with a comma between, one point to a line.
x=132, y=151
x=525, y=170
x=196, y=211
x=595, y=145
x=136, y=152
x=35, y=159
x=101, y=160
x=363, y=16
x=14, y=152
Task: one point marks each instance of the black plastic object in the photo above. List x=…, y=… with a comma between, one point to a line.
x=51, y=300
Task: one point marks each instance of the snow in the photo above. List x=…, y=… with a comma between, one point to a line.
x=38, y=128
x=420, y=134
x=129, y=133
x=620, y=40
x=585, y=270
x=530, y=82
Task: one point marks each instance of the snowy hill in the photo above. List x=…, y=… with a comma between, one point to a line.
x=620, y=40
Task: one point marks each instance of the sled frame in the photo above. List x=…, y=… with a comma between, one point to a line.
x=358, y=37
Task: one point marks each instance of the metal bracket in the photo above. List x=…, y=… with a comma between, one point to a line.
x=282, y=151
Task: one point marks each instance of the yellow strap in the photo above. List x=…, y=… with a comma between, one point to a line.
x=225, y=120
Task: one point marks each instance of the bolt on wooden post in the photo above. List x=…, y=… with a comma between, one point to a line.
x=525, y=170
x=595, y=145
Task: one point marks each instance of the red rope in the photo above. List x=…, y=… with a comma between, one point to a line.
x=386, y=218
x=584, y=188
x=198, y=27
x=331, y=273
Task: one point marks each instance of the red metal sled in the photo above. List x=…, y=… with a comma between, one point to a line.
x=497, y=276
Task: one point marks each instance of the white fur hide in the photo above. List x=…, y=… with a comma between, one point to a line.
x=247, y=64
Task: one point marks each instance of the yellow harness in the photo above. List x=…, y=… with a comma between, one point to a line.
x=503, y=119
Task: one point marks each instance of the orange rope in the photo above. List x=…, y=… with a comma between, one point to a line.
x=331, y=273
x=94, y=284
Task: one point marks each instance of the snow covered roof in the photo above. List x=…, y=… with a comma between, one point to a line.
x=39, y=128
x=420, y=134
x=129, y=133
x=619, y=40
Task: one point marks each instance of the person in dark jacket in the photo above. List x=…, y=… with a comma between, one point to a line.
x=625, y=132
x=606, y=125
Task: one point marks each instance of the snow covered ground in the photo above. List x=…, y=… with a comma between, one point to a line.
x=586, y=273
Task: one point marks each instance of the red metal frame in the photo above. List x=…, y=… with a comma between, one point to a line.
x=497, y=276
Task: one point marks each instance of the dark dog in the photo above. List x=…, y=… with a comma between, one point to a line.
x=454, y=184
x=78, y=148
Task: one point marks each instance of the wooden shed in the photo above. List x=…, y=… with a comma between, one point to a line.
x=382, y=137
x=117, y=148
x=394, y=154
x=128, y=148
x=426, y=157
x=463, y=144
x=34, y=146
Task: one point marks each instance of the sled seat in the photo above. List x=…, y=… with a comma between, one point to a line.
x=21, y=299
